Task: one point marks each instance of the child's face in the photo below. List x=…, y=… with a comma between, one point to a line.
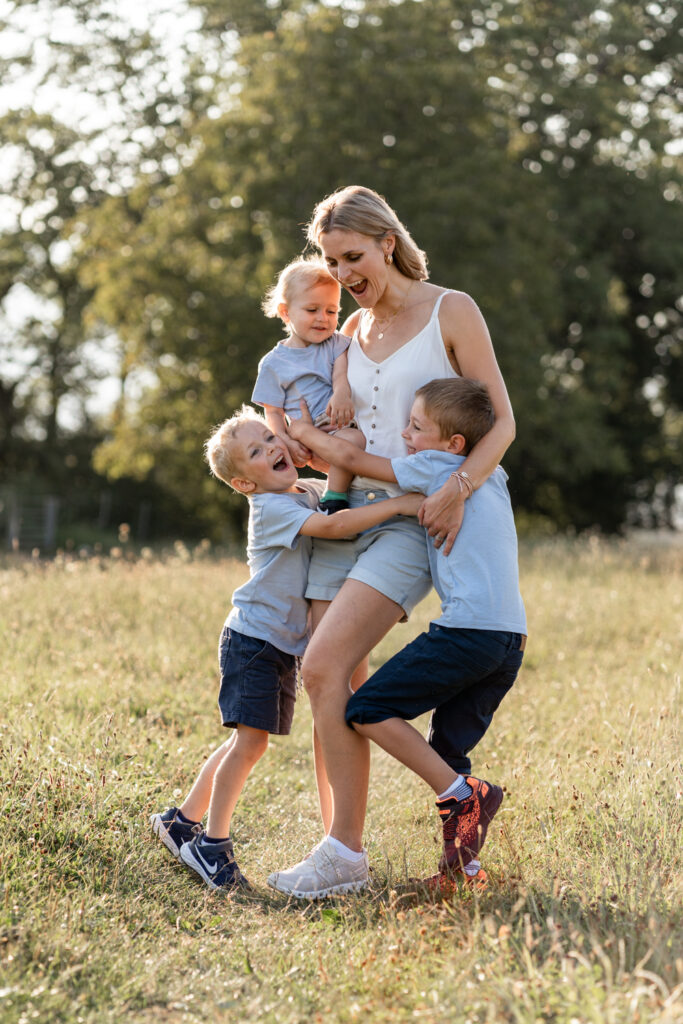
x=422, y=433
x=263, y=462
x=312, y=313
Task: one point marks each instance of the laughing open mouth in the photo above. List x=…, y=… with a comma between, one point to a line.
x=280, y=464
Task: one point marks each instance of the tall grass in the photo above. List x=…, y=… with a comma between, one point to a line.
x=109, y=677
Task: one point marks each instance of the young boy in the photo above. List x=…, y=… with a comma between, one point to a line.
x=462, y=668
x=309, y=364
x=264, y=634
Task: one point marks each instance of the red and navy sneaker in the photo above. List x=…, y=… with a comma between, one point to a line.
x=173, y=832
x=465, y=823
x=449, y=882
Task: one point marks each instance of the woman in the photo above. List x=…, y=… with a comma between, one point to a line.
x=405, y=333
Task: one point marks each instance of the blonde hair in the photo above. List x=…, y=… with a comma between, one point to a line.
x=458, y=405
x=356, y=208
x=219, y=449
x=305, y=272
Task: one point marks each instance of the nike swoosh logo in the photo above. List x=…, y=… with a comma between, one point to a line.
x=211, y=868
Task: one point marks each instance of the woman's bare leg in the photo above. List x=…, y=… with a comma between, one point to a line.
x=318, y=609
x=352, y=625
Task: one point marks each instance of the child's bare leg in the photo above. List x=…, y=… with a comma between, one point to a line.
x=339, y=480
x=230, y=776
x=407, y=745
x=196, y=803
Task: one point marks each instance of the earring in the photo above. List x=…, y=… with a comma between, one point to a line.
x=388, y=259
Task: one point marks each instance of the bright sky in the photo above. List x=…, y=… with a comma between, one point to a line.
x=37, y=26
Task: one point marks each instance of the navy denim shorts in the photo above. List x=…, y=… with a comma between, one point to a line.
x=460, y=674
x=258, y=683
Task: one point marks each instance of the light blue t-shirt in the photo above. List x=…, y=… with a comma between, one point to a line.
x=478, y=582
x=271, y=604
x=286, y=375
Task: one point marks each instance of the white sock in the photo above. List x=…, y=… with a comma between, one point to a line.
x=344, y=851
x=456, y=784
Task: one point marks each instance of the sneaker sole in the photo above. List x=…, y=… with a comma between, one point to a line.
x=320, y=894
x=159, y=829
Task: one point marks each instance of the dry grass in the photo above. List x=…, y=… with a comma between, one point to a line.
x=109, y=683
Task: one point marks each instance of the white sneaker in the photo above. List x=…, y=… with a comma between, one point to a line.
x=323, y=873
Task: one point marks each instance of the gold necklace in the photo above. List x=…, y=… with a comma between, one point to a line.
x=388, y=320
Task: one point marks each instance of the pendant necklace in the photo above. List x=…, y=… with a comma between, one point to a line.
x=388, y=320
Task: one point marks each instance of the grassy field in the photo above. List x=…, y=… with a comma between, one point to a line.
x=109, y=683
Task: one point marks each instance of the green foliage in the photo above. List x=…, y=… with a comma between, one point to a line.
x=526, y=147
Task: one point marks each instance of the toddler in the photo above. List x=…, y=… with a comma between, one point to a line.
x=309, y=364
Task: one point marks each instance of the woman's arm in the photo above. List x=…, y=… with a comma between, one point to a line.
x=275, y=418
x=470, y=350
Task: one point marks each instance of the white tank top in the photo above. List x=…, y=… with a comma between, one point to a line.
x=383, y=392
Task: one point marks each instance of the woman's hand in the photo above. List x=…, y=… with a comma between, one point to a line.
x=442, y=514
x=301, y=455
x=297, y=428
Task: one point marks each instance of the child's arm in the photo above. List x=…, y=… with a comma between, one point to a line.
x=340, y=406
x=275, y=418
x=354, y=520
x=341, y=453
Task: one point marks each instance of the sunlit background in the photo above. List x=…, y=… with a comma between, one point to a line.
x=160, y=161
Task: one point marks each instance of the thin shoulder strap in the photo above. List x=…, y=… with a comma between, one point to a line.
x=437, y=304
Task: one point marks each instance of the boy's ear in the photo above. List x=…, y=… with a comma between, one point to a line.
x=283, y=312
x=242, y=485
x=457, y=444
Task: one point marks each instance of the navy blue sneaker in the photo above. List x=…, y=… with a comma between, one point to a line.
x=173, y=832
x=214, y=862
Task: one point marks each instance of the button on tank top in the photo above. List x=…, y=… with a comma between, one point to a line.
x=383, y=392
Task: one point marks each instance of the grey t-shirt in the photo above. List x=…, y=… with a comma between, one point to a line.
x=478, y=582
x=271, y=604
x=286, y=375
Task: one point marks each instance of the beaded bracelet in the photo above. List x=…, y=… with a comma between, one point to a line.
x=463, y=479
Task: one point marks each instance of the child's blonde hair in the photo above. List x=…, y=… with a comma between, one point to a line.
x=304, y=272
x=356, y=208
x=458, y=405
x=219, y=449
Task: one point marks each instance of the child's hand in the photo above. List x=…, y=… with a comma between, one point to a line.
x=340, y=408
x=410, y=503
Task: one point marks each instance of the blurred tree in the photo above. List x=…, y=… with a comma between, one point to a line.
x=43, y=349
x=525, y=145
x=501, y=147
x=204, y=250
x=115, y=103
x=596, y=97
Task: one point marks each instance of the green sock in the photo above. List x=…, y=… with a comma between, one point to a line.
x=335, y=496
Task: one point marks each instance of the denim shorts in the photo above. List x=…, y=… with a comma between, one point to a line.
x=460, y=674
x=392, y=558
x=258, y=683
